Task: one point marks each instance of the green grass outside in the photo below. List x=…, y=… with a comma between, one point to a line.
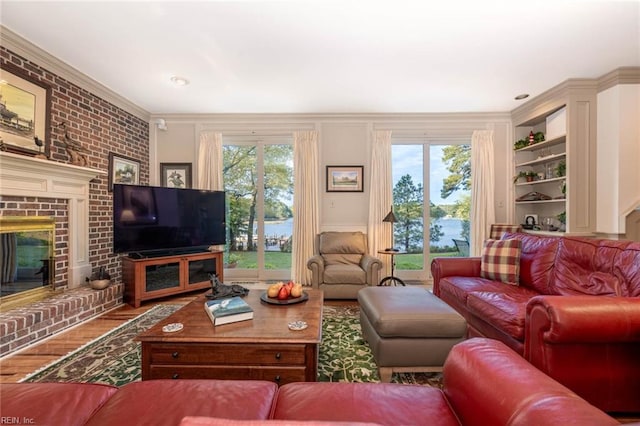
x=280, y=260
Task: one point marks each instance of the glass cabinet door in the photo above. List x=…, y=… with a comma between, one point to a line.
x=161, y=277
x=200, y=270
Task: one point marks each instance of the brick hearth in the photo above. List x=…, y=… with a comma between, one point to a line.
x=23, y=326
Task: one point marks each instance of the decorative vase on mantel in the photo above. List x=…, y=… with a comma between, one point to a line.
x=100, y=279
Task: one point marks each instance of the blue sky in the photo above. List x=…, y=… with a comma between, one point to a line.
x=408, y=159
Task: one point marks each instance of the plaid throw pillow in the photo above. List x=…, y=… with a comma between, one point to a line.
x=501, y=260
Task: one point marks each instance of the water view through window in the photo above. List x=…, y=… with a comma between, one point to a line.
x=431, y=198
x=258, y=178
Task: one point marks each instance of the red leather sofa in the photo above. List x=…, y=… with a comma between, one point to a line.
x=575, y=313
x=485, y=383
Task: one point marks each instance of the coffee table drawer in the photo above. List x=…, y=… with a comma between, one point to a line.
x=280, y=375
x=236, y=354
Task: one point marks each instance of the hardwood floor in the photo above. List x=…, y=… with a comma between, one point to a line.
x=16, y=366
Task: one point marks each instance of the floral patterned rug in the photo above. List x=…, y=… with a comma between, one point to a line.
x=114, y=358
x=346, y=357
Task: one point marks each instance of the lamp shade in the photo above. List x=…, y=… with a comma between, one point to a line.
x=390, y=217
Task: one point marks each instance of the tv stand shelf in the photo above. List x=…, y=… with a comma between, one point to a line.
x=153, y=277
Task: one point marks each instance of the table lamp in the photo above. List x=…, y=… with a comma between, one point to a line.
x=391, y=218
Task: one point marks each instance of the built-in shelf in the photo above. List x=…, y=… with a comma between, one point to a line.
x=542, y=160
x=558, y=200
x=541, y=181
x=558, y=140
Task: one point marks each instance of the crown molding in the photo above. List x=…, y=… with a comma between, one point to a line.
x=622, y=75
x=295, y=119
x=22, y=47
x=551, y=100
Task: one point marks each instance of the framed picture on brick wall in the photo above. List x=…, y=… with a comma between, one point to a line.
x=25, y=112
x=123, y=170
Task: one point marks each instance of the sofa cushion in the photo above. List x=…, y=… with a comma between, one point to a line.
x=586, y=266
x=168, y=401
x=384, y=403
x=626, y=266
x=505, y=310
x=536, y=260
x=74, y=403
x=501, y=260
x=458, y=288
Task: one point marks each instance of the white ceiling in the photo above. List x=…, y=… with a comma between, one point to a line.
x=332, y=56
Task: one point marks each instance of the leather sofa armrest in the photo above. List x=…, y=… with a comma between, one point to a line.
x=476, y=368
x=453, y=267
x=372, y=266
x=316, y=265
x=582, y=319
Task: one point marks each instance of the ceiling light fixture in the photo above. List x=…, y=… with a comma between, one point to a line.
x=179, y=81
x=521, y=97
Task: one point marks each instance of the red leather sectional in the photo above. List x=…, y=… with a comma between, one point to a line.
x=575, y=314
x=485, y=383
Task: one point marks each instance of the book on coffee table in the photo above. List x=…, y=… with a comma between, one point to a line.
x=225, y=311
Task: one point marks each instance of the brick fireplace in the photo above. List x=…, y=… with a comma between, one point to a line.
x=35, y=187
x=30, y=179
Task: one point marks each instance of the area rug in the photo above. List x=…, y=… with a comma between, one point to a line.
x=346, y=357
x=114, y=358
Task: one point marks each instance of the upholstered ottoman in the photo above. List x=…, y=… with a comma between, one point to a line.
x=408, y=328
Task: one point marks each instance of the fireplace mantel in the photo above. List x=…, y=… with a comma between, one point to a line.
x=28, y=176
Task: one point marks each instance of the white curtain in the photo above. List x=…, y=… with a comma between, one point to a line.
x=380, y=199
x=306, y=222
x=482, y=188
x=210, y=161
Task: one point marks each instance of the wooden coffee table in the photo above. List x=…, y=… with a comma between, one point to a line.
x=263, y=348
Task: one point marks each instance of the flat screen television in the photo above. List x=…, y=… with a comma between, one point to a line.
x=150, y=219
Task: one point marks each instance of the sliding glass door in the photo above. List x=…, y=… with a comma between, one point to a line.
x=431, y=199
x=258, y=179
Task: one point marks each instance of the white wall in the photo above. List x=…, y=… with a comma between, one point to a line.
x=618, y=147
x=345, y=139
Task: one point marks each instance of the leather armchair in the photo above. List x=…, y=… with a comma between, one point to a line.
x=341, y=265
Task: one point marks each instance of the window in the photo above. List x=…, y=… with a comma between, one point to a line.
x=258, y=178
x=431, y=200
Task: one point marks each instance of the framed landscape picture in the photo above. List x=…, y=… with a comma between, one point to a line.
x=175, y=175
x=123, y=170
x=345, y=179
x=25, y=106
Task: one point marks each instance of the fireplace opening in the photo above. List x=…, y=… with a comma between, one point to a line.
x=27, y=260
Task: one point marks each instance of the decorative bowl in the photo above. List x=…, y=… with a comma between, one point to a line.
x=99, y=284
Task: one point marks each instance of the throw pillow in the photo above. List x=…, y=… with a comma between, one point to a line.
x=501, y=260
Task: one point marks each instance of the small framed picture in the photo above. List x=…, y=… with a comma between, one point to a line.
x=530, y=220
x=123, y=170
x=345, y=179
x=175, y=175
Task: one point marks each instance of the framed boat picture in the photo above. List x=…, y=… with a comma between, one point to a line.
x=25, y=110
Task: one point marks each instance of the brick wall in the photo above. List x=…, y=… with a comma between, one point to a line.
x=101, y=128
